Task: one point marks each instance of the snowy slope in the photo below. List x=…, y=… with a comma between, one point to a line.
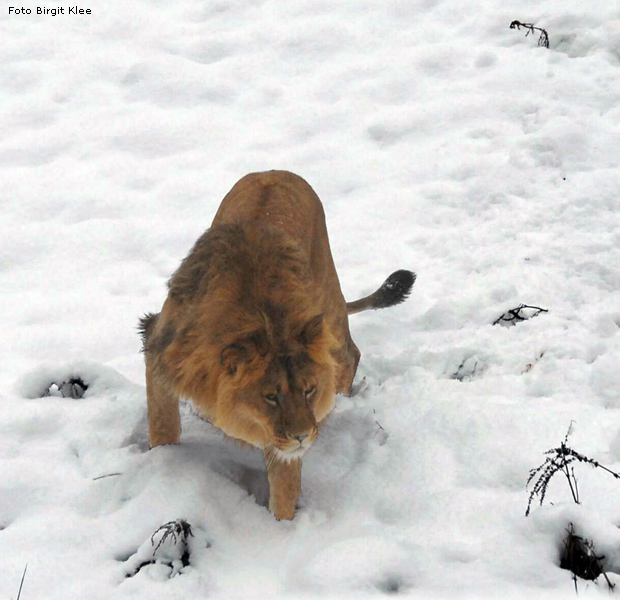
x=439, y=140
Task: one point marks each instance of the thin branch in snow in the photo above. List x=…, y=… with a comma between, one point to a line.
x=543, y=40
x=108, y=475
x=516, y=315
x=19, y=593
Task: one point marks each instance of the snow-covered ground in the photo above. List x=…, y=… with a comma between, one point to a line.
x=439, y=140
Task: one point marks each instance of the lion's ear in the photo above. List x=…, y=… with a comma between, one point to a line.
x=243, y=351
x=233, y=355
x=312, y=331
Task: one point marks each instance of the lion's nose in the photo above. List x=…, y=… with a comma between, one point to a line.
x=301, y=438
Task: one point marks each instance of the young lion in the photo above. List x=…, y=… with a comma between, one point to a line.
x=255, y=329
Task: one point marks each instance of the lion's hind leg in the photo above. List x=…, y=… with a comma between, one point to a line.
x=347, y=367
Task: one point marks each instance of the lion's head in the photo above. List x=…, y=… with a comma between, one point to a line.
x=273, y=393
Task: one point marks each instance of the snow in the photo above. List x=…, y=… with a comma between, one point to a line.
x=440, y=141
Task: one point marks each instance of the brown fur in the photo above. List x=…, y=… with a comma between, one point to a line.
x=255, y=329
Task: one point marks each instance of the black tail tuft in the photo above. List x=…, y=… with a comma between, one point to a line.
x=395, y=289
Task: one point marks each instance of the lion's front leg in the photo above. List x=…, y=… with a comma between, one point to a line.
x=163, y=411
x=284, y=486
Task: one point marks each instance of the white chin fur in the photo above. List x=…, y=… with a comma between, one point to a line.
x=289, y=456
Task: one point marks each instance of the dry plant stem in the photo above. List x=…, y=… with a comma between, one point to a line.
x=108, y=475
x=19, y=593
x=581, y=560
x=180, y=531
x=570, y=477
x=177, y=529
x=560, y=460
x=581, y=458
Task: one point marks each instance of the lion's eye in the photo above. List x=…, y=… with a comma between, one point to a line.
x=310, y=392
x=272, y=399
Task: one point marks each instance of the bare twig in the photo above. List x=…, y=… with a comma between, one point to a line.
x=543, y=40
x=19, y=593
x=108, y=475
x=514, y=315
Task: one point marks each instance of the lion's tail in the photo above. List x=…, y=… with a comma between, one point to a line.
x=395, y=289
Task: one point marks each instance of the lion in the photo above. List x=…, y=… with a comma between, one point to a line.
x=255, y=332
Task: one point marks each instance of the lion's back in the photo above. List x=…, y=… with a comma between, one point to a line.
x=277, y=199
x=267, y=251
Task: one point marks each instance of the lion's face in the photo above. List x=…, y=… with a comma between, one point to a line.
x=276, y=400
